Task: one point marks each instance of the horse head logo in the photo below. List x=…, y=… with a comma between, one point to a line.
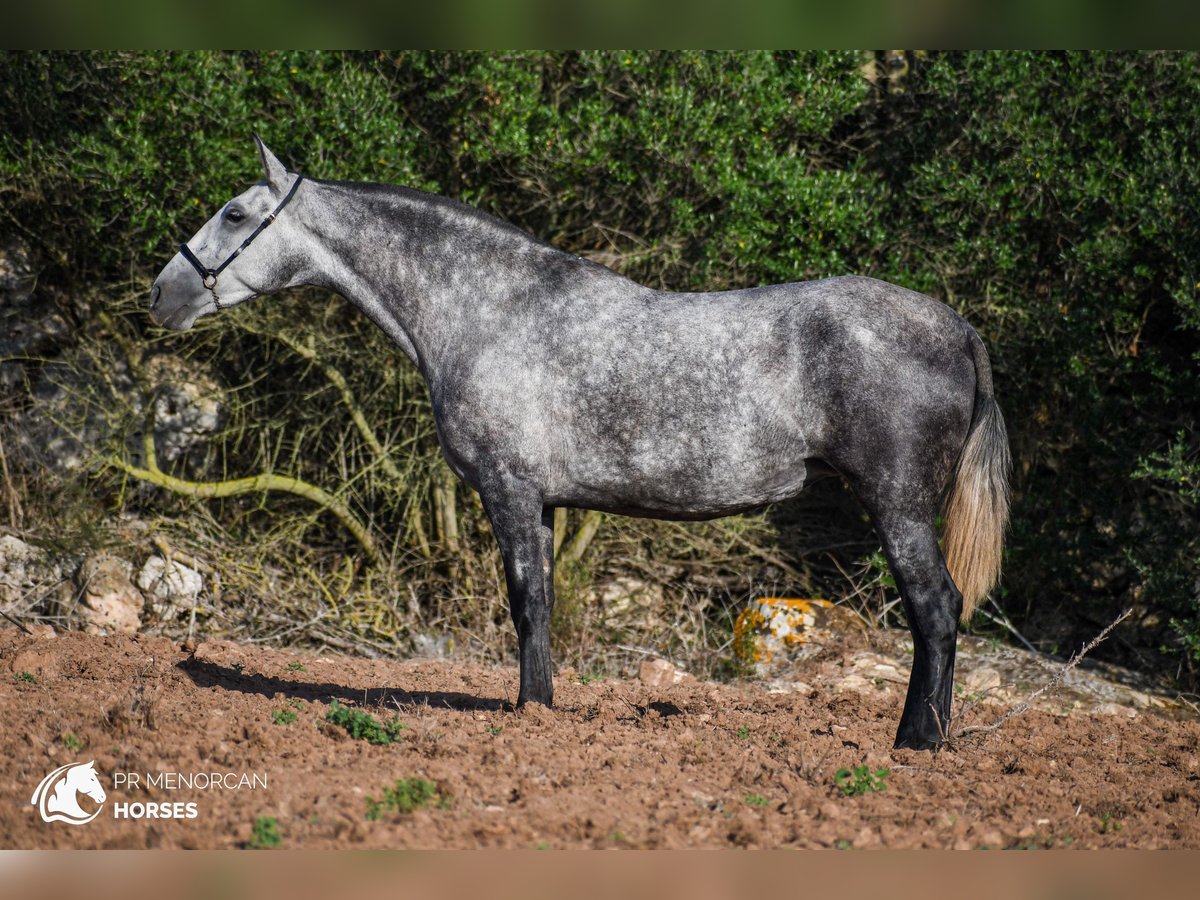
x=57, y=797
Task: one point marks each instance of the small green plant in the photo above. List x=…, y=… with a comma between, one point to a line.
x=860, y=780
x=71, y=742
x=296, y=666
x=265, y=834
x=25, y=677
x=495, y=730
x=744, y=732
x=588, y=678
x=359, y=724
x=756, y=800
x=843, y=844
x=1109, y=823
x=284, y=716
x=238, y=667
x=406, y=795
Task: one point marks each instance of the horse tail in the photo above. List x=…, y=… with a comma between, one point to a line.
x=976, y=507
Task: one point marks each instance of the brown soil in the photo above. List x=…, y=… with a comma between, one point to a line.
x=617, y=764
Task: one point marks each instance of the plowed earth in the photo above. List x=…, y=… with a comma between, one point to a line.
x=616, y=764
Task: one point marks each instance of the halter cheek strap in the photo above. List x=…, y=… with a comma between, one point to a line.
x=208, y=277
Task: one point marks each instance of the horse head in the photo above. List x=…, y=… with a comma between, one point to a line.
x=235, y=256
x=84, y=781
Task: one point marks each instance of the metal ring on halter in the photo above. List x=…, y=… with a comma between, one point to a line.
x=208, y=277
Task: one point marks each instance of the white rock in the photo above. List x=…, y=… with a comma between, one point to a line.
x=979, y=680
x=173, y=582
x=26, y=572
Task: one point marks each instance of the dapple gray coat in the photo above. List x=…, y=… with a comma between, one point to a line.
x=557, y=382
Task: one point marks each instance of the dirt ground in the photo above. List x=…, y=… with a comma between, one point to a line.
x=616, y=764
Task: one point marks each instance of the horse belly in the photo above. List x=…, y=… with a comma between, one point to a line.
x=686, y=475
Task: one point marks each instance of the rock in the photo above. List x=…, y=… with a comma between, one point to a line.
x=28, y=573
x=659, y=673
x=109, y=602
x=1115, y=709
x=29, y=328
x=18, y=271
x=854, y=682
x=629, y=603
x=775, y=630
x=432, y=646
x=978, y=680
x=170, y=582
x=785, y=686
x=187, y=405
x=70, y=419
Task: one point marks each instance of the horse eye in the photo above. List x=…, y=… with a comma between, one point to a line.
x=234, y=216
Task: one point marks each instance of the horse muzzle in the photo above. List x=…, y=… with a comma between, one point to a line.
x=174, y=315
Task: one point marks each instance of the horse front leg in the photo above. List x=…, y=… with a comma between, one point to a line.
x=524, y=529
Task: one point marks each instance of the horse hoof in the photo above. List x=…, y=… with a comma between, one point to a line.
x=547, y=702
x=914, y=742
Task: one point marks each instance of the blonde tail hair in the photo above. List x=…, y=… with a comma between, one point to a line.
x=976, y=509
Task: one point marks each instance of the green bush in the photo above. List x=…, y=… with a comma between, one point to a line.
x=1050, y=197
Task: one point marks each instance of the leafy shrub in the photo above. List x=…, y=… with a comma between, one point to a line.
x=1049, y=197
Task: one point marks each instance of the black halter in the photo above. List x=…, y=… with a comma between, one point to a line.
x=208, y=277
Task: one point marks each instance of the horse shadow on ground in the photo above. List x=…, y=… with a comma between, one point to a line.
x=205, y=673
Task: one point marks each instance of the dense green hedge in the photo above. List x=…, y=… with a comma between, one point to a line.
x=1050, y=197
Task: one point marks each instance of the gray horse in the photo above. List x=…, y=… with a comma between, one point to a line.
x=557, y=382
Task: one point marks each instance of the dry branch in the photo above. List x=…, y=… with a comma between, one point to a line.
x=252, y=484
x=1058, y=678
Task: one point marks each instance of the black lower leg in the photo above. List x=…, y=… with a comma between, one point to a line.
x=525, y=532
x=932, y=605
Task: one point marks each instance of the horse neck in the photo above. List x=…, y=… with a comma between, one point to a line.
x=432, y=273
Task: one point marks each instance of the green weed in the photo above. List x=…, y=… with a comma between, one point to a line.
x=860, y=780
x=265, y=834
x=406, y=795
x=359, y=724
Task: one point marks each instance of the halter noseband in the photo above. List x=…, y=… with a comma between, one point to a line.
x=208, y=277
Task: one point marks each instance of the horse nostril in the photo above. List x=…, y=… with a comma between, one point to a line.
x=155, y=294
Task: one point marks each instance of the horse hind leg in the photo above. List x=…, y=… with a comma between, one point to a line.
x=932, y=605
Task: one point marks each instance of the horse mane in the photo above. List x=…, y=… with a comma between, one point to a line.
x=415, y=198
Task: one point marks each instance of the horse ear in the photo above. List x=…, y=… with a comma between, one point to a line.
x=275, y=171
